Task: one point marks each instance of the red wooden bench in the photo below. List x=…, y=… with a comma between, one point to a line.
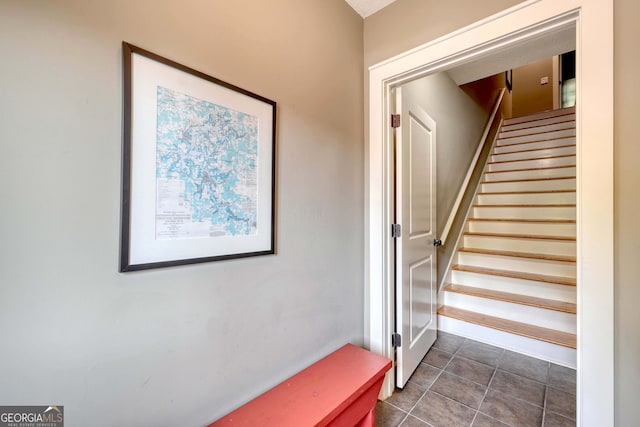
x=340, y=390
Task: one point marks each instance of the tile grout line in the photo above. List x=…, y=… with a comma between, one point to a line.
x=515, y=399
x=499, y=360
x=495, y=370
x=454, y=401
x=394, y=406
x=436, y=378
x=425, y=391
x=423, y=394
x=467, y=379
x=453, y=356
x=544, y=407
x=518, y=398
x=404, y=419
x=546, y=393
x=561, y=415
x=545, y=384
x=407, y=413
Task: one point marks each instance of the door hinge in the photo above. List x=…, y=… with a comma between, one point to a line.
x=395, y=120
x=396, y=231
x=396, y=340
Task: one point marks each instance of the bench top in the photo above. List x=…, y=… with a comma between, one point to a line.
x=316, y=395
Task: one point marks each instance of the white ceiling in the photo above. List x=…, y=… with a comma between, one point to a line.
x=368, y=7
x=560, y=41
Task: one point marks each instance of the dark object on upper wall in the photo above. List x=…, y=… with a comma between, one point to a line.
x=568, y=65
x=198, y=166
x=508, y=80
x=568, y=79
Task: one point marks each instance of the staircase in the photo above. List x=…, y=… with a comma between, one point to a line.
x=514, y=284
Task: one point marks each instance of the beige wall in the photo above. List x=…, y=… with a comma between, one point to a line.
x=485, y=92
x=627, y=206
x=529, y=96
x=460, y=122
x=182, y=346
x=176, y=346
x=401, y=26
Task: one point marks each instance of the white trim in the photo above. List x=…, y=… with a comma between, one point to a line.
x=472, y=167
x=519, y=344
x=594, y=68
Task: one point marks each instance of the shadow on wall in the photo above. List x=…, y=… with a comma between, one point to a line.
x=485, y=92
x=461, y=118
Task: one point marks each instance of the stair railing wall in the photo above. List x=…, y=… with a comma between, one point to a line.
x=468, y=189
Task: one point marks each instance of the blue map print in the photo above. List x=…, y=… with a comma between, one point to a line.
x=206, y=169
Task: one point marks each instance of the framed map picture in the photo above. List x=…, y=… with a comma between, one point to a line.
x=198, y=166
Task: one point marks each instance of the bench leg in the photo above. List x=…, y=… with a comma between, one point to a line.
x=369, y=420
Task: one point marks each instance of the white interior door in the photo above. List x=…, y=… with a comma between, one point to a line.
x=416, y=280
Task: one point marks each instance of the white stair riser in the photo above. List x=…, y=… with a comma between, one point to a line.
x=552, y=143
x=540, y=349
x=534, y=118
x=525, y=212
x=523, y=265
x=491, y=199
x=533, y=154
x=541, y=246
x=539, y=123
x=531, y=142
x=515, y=286
x=536, y=228
x=537, y=136
x=511, y=124
x=552, y=184
x=539, y=163
x=530, y=174
x=536, y=316
x=537, y=128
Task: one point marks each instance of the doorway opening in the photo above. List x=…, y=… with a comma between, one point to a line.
x=462, y=99
x=511, y=29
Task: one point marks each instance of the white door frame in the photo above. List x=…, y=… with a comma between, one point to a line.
x=593, y=20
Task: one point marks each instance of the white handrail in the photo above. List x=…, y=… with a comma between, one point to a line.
x=465, y=183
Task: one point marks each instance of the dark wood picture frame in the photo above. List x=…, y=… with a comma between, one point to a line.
x=191, y=93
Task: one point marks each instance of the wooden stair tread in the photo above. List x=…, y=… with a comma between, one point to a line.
x=533, y=169
x=538, y=133
x=526, y=205
x=526, y=192
x=543, y=115
x=534, y=149
x=519, y=236
x=554, y=178
x=520, y=140
x=532, y=158
x=538, y=126
x=531, y=255
x=536, y=332
x=569, y=281
x=553, y=221
x=549, y=304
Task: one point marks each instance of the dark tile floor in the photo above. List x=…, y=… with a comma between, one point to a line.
x=465, y=383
